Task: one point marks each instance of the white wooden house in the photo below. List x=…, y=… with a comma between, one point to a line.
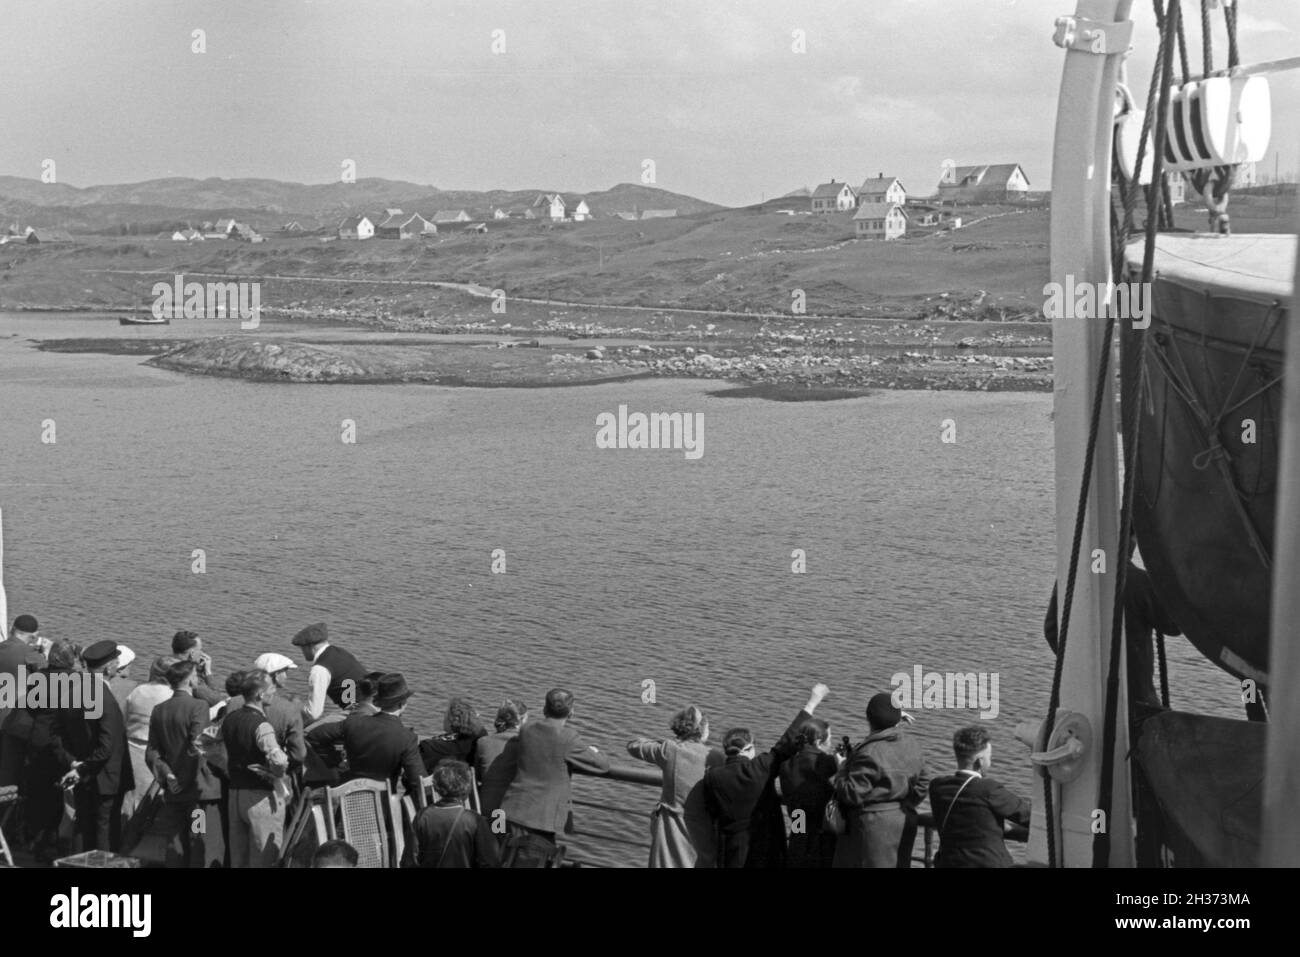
x=880, y=221
x=357, y=227
x=833, y=197
x=996, y=183
x=882, y=189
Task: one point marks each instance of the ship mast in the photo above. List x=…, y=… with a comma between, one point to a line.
x=1096, y=40
x=1280, y=842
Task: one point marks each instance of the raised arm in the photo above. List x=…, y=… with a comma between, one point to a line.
x=655, y=752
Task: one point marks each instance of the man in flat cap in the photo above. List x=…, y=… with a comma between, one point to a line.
x=88, y=740
x=334, y=673
x=21, y=650
x=284, y=711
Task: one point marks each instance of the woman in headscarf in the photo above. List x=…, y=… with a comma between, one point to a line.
x=681, y=834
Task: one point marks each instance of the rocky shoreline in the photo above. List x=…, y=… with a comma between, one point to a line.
x=526, y=363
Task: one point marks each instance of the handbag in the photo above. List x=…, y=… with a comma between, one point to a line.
x=833, y=820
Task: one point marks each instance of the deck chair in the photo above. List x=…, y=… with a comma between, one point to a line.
x=427, y=796
x=8, y=802
x=361, y=812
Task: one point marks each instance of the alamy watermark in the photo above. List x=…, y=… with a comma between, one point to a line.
x=76, y=690
x=208, y=300
x=656, y=430
x=946, y=690
x=1098, y=300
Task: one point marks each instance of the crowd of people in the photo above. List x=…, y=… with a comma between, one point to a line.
x=206, y=770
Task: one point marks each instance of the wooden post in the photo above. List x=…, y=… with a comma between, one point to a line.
x=4, y=602
x=1080, y=250
x=1280, y=841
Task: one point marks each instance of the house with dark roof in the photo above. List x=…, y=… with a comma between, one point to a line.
x=405, y=226
x=451, y=216
x=833, y=197
x=357, y=227
x=43, y=235
x=882, y=189
x=576, y=208
x=549, y=206
x=880, y=221
x=993, y=183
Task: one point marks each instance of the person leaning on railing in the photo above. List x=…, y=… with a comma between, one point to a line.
x=681, y=833
x=969, y=808
x=496, y=755
x=537, y=803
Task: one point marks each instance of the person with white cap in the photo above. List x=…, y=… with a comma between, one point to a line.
x=284, y=711
x=121, y=684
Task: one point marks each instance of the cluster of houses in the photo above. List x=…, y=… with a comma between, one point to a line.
x=546, y=207
x=221, y=229
x=33, y=235
x=880, y=209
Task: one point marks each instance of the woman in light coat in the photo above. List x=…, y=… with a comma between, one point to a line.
x=681, y=832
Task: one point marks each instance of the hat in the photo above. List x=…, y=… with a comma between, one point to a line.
x=882, y=713
x=100, y=653
x=124, y=656
x=26, y=623
x=311, y=635
x=392, y=691
x=271, y=662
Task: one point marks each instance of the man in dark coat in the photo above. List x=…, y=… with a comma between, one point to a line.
x=879, y=786
x=89, y=742
x=379, y=747
x=173, y=754
x=20, y=651
x=537, y=801
x=735, y=792
x=969, y=808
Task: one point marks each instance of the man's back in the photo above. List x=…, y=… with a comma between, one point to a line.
x=538, y=797
x=381, y=748
x=174, y=726
x=449, y=835
x=970, y=832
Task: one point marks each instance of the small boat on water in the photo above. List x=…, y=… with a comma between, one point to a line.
x=144, y=321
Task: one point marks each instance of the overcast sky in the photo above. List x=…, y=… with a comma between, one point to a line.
x=710, y=90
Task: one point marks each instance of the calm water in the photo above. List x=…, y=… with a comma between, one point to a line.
x=622, y=566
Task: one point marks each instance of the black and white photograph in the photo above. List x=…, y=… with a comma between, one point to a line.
x=685, y=434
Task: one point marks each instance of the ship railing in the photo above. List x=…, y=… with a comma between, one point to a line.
x=645, y=778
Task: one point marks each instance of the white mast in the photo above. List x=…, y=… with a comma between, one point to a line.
x=1096, y=41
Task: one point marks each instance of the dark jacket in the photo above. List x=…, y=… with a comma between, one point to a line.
x=99, y=743
x=15, y=654
x=972, y=834
x=378, y=747
x=806, y=787
x=538, y=798
x=457, y=746
x=495, y=759
x=447, y=834
x=345, y=674
x=174, y=729
x=742, y=786
x=879, y=786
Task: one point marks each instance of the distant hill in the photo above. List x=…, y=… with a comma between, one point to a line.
x=268, y=203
